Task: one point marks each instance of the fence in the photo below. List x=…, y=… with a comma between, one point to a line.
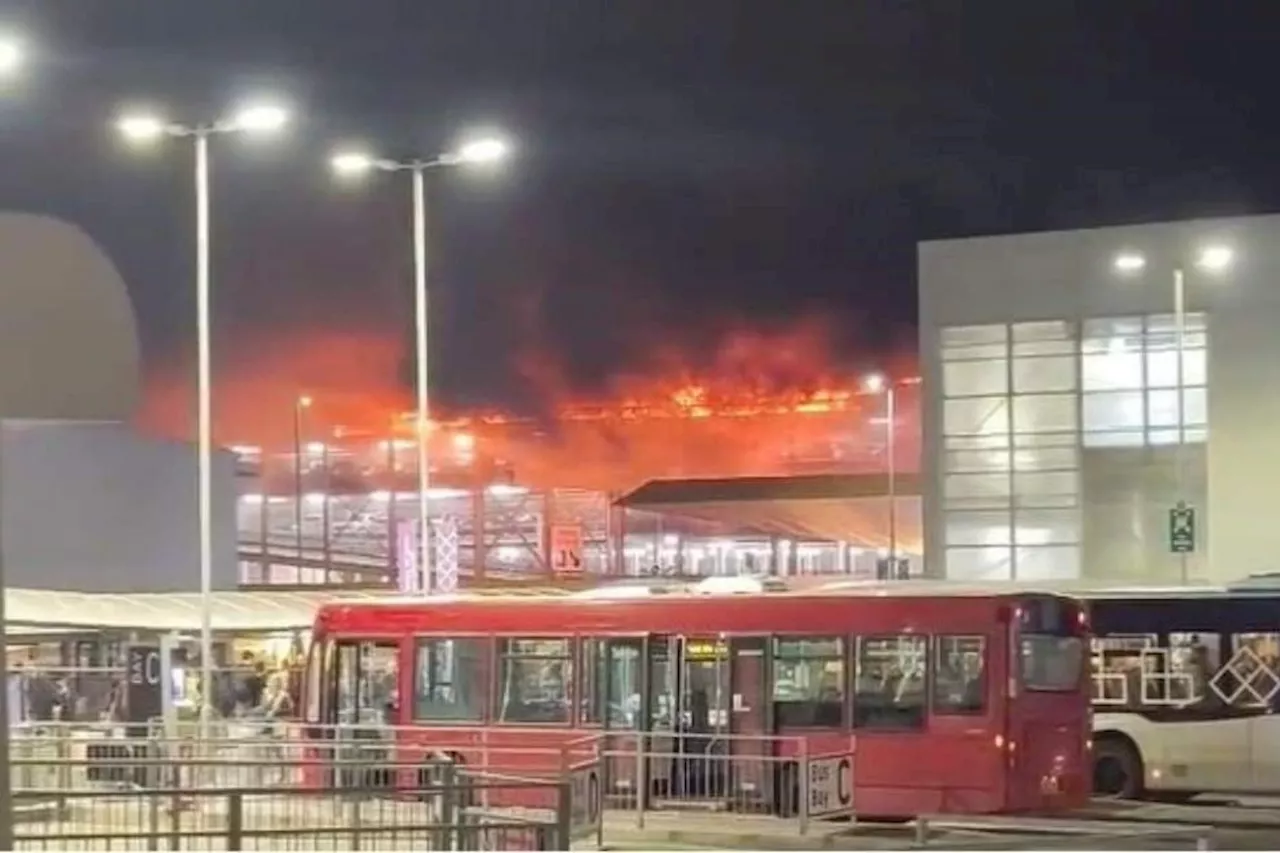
x=77, y=787
x=497, y=778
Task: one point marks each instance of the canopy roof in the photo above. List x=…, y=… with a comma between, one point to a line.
x=241, y=612
x=834, y=507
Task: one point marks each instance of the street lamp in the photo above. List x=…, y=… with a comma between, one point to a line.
x=303, y=402
x=1214, y=259
x=353, y=163
x=876, y=383
x=13, y=56
x=142, y=128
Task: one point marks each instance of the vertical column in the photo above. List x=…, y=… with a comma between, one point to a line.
x=479, y=534
x=775, y=568
x=548, y=518
x=393, y=568
x=842, y=557
x=326, y=519
x=620, y=542
x=264, y=519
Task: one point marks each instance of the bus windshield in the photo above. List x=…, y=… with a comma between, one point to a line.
x=1051, y=663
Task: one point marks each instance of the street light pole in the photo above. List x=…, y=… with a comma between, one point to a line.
x=1179, y=331
x=425, y=563
x=890, y=404
x=144, y=128
x=204, y=462
x=351, y=163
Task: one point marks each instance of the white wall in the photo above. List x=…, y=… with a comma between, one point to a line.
x=96, y=507
x=1068, y=275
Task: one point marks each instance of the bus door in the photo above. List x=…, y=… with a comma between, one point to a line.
x=750, y=719
x=624, y=681
x=361, y=705
x=703, y=718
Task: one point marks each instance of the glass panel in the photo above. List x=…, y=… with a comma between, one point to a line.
x=1162, y=368
x=1112, y=370
x=977, y=486
x=808, y=681
x=1047, y=527
x=368, y=684
x=535, y=678
x=1113, y=411
x=975, y=378
x=1044, y=413
x=1051, y=663
x=890, y=682
x=969, y=335
x=975, y=416
x=978, y=528
x=977, y=461
x=1042, y=330
x=1050, y=563
x=979, y=564
x=976, y=442
x=1116, y=439
x=1047, y=458
x=1162, y=407
x=959, y=675
x=1045, y=483
x=451, y=677
x=1044, y=374
x=1104, y=334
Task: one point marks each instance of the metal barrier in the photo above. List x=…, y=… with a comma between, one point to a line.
x=86, y=788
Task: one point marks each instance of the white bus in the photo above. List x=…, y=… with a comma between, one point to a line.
x=1186, y=686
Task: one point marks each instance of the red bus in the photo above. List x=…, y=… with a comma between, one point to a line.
x=958, y=703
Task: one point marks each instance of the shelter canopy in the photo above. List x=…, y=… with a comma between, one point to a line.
x=232, y=611
x=833, y=507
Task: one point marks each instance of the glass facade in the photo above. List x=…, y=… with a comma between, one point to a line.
x=1029, y=409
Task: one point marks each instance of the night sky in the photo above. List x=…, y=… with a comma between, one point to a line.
x=684, y=165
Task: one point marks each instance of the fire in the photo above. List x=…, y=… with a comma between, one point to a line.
x=757, y=403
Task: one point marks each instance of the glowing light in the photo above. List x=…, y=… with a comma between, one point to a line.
x=351, y=163
x=490, y=150
x=1215, y=258
x=260, y=118
x=1129, y=262
x=141, y=127
x=13, y=55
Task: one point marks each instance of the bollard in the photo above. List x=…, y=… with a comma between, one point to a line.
x=1204, y=842
x=922, y=831
x=803, y=789
x=153, y=820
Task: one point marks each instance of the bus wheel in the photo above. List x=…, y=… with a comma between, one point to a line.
x=1117, y=769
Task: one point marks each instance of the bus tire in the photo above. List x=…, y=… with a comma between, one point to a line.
x=1117, y=768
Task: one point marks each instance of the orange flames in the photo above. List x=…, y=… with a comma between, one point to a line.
x=757, y=403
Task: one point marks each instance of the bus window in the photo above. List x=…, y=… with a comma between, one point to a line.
x=611, y=685
x=808, y=681
x=366, y=688
x=1051, y=663
x=1250, y=678
x=959, y=675
x=535, y=680
x=450, y=676
x=890, y=679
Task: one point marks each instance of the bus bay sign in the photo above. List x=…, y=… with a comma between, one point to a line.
x=830, y=788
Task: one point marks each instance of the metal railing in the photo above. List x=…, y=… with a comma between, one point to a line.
x=82, y=787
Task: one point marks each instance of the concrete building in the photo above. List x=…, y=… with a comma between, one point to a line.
x=1061, y=427
x=85, y=502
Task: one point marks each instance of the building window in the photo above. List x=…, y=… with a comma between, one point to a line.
x=1129, y=373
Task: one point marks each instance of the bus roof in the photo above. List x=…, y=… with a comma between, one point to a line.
x=666, y=590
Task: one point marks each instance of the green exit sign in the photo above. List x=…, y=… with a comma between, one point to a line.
x=1182, y=529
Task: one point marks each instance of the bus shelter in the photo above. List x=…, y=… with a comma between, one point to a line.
x=70, y=654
